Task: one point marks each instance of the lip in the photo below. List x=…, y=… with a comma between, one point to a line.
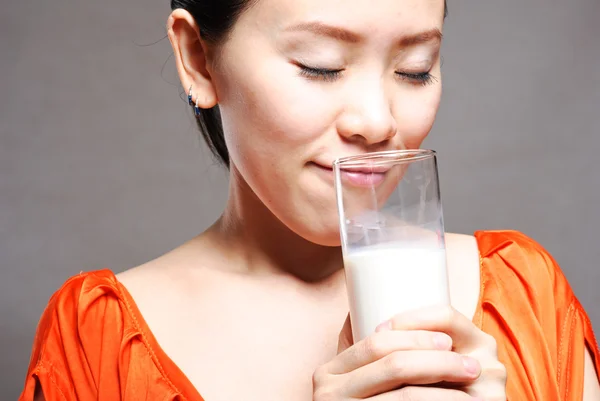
x=323, y=170
x=363, y=176
x=367, y=169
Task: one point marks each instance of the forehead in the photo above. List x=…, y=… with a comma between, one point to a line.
x=365, y=16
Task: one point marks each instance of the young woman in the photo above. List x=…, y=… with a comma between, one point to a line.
x=254, y=307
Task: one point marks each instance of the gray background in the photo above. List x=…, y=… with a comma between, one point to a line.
x=100, y=164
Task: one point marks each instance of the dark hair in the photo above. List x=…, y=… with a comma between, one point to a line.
x=215, y=19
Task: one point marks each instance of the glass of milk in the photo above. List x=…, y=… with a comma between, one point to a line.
x=392, y=233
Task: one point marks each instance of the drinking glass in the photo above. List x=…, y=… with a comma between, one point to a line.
x=392, y=235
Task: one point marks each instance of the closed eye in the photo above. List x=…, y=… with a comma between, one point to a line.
x=324, y=74
x=421, y=78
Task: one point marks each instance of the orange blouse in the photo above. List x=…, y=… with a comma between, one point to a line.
x=92, y=342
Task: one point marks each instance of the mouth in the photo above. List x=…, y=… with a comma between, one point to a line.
x=363, y=176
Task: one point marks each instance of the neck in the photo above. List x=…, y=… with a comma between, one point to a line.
x=264, y=245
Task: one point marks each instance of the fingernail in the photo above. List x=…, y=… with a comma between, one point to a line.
x=442, y=341
x=471, y=365
x=385, y=326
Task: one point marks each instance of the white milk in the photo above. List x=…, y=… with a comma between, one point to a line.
x=385, y=281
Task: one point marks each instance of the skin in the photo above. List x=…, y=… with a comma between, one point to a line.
x=259, y=300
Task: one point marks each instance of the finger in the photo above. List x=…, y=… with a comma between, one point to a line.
x=414, y=393
x=442, y=319
x=403, y=368
x=383, y=343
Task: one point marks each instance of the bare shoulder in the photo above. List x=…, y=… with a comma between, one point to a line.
x=463, y=272
x=172, y=275
x=148, y=276
x=462, y=247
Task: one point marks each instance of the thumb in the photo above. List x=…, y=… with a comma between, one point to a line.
x=345, y=340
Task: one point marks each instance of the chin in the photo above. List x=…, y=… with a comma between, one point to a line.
x=327, y=241
x=323, y=236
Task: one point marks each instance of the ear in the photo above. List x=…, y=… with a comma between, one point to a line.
x=192, y=58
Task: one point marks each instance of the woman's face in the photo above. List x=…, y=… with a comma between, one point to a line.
x=303, y=82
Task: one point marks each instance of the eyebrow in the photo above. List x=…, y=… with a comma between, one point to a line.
x=422, y=37
x=345, y=35
x=322, y=29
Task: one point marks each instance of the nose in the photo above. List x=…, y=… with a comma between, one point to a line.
x=367, y=117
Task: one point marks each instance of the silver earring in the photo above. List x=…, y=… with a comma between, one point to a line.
x=190, y=96
x=197, y=108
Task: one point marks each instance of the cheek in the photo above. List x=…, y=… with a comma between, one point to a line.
x=273, y=122
x=274, y=107
x=415, y=114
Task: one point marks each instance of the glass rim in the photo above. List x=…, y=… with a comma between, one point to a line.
x=386, y=157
